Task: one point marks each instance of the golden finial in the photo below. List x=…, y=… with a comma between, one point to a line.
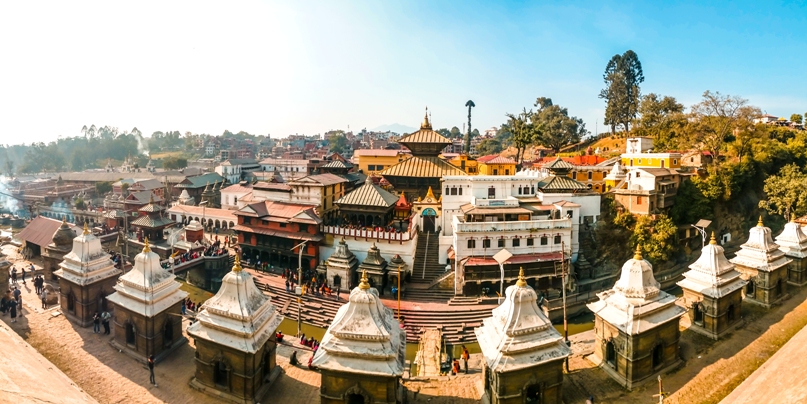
x=86, y=230
x=638, y=254
x=426, y=124
x=521, y=282
x=364, y=285
x=759, y=223
x=430, y=194
x=146, y=248
x=713, y=241
x=237, y=264
x=64, y=220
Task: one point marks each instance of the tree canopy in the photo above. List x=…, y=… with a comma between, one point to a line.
x=785, y=192
x=553, y=127
x=623, y=75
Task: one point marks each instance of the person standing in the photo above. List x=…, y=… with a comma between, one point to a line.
x=465, y=356
x=151, y=371
x=183, y=307
x=12, y=306
x=14, y=275
x=96, y=323
x=44, y=296
x=18, y=299
x=23, y=275
x=105, y=316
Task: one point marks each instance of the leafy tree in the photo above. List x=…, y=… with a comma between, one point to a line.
x=785, y=192
x=553, y=127
x=455, y=133
x=716, y=117
x=623, y=74
x=488, y=146
x=656, y=236
x=691, y=205
x=8, y=167
x=445, y=132
x=102, y=188
x=660, y=118
x=79, y=204
x=467, y=149
x=174, y=163
x=504, y=136
x=523, y=132
x=124, y=187
x=796, y=118
x=337, y=141
x=77, y=162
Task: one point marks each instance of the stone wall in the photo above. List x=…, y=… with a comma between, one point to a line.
x=510, y=387
x=149, y=332
x=337, y=386
x=87, y=299
x=245, y=372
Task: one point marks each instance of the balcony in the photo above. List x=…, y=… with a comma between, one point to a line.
x=370, y=234
x=485, y=203
x=460, y=226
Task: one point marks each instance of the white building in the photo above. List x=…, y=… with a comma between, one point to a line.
x=231, y=195
x=232, y=169
x=288, y=168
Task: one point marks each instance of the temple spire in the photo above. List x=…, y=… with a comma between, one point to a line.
x=237, y=264
x=364, y=285
x=638, y=254
x=426, y=124
x=521, y=282
x=759, y=223
x=86, y=230
x=146, y=248
x=713, y=241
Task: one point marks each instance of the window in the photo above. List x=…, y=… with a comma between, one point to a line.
x=282, y=225
x=506, y=172
x=491, y=192
x=557, y=239
x=460, y=191
x=495, y=172
x=675, y=161
x=532, y=190
x=446, y=190
x=486, y=243
x=638, y=174
x=544, y=240
x=501, y=243
x=453, y=191
x=379, y=168
x=530, y=242
x=516, y=242
x=691, y=159
x=235, y=200
x=590, y=174
x=370, y=167
x=638, y=200
x=471, y=243
x=570, y=214
x=519, y=189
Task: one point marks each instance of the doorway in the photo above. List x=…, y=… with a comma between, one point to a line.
x=750, y=288
x=220, y=374
x=658, y=356
x=532, y=394
x=355, y=399
x=697, y=311
x=429, y=220
x=168, y=334
x=610, y=354
x=130, y=334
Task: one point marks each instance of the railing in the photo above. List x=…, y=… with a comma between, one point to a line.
x=527, y=225
x=494, y=202
x=370, y=234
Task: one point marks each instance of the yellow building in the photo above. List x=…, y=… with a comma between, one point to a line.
x=497, y=165
x=465, y=163
x=373, y=161
x=652, y=160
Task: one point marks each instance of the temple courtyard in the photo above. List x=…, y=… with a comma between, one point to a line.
x=711, y=370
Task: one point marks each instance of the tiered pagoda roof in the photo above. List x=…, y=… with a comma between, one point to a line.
x=153, y=218
x=364, y=337
x=636, y=304
x=239, y=316
x=426, y=145
x=87, y=262
x=374, y=263
x=147, y=289
x=368, y=194
x=793, y=241
x=519, y=335
x=712, y=274
x=760, y=252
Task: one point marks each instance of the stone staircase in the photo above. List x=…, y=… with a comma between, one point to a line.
x=426, y=267
x=457, y=325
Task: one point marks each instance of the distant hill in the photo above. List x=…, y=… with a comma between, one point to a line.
x=395, y=127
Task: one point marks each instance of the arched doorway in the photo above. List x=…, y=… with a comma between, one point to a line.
x=532, y=394
x=658, y=356
x=429, y=219
x=750, y=289
x=71, y=302
x=610, y=354
x=130, y=334
x=355, y=399
x=220, y=374
x=168, y=333
x=697, y=313
x=730, y=313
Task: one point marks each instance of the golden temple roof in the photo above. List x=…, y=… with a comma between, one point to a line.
x=423, y=167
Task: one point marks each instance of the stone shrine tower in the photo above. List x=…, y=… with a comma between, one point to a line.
x=341, y=266
x=764, y=266
x=236, y=348
x=54, y=253
x=86, y=277
x=376, y=268
x=523, y=352
x=148, y=316
x=713, y=292
x=362, y=354
x=636, y=326
x=793, y=242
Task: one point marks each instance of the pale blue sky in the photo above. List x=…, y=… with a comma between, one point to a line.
x=306, y=67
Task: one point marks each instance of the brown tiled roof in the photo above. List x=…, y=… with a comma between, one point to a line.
x=281, y=212
x=40, y=231
x=368, y=194
x=271, y=186
x=559, y=164
x=377, y=152
x=238, y=188
x=324, y=179
x=424, y=136
x=500, y=160
x=151, y=208
x=338, y=164
x=424, y=167
x=560, y=183
x=485, y=159
x=278, y=233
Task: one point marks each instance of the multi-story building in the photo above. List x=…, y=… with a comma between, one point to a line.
x=373, y=161
x=534, y=216
x=652, y=179
x=465, y=162
x=321, y=190
x=288, y=168
x=232, y=169
x=496, y=165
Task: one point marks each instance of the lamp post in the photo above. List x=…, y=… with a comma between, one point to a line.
x=203, y=204
x=298, y=290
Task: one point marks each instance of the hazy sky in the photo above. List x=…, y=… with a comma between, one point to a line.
x=307, y=67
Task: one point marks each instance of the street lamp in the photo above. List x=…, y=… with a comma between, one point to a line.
x=701, y=227
x=298, y=290
x=501, y=257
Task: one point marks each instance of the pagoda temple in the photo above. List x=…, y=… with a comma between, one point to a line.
x=362, y=355
x=236, y=348
x=375, y=266
x=713, y=292
x=424, y=169
x=147, y=309
x=636, y=326
x=341, y=266
x=793, y=242
x=523, y=353
x=87, y=276
x=152, y=221
x=61, y=244
x=366, y=206
x=764, y=266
